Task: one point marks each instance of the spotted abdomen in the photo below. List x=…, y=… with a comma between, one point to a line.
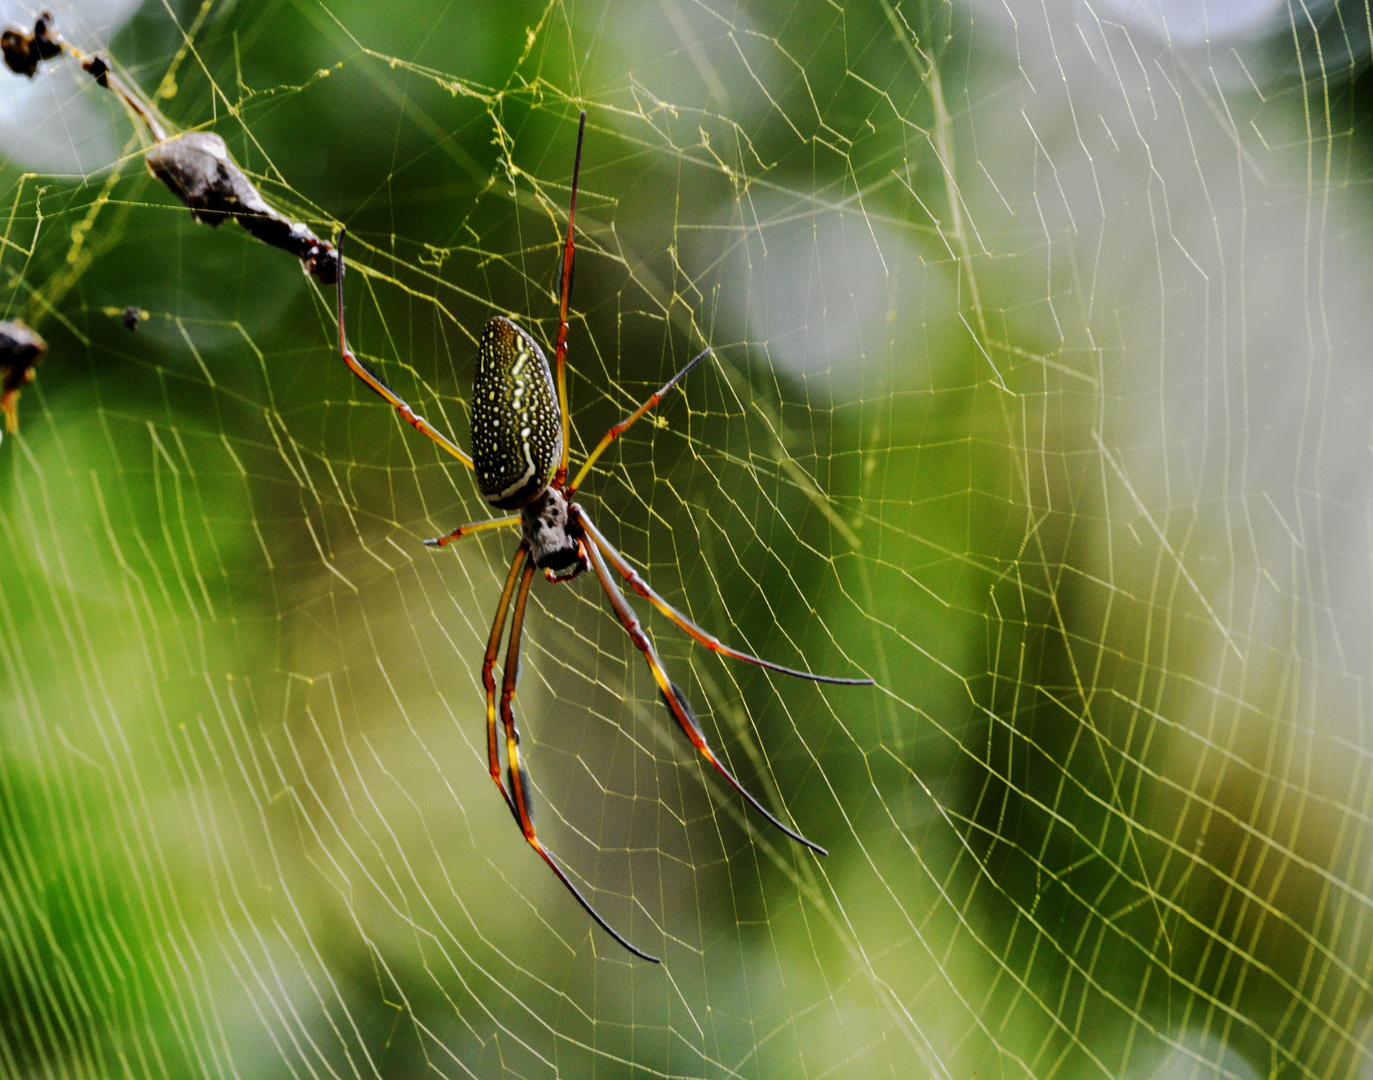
x=516, y=427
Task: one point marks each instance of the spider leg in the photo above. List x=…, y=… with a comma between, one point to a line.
x=383, y=391
x=522, y=790
x=672, y=696
x=493, y=644
x=560, y=353
x=472, y=527
x=9, y=405
x=620, y=428
x=714, y=644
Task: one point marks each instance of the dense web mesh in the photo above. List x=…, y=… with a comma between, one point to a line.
x=1039, y=394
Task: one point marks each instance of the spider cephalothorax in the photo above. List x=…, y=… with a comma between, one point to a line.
x=519, y=454
x=555, y=543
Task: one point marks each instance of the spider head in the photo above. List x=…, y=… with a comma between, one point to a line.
x=552, y=546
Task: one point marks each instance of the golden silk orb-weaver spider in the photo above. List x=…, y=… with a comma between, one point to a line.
x=520, y=457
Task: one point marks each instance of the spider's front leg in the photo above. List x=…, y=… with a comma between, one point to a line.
x=473, y=527
x=358, y=368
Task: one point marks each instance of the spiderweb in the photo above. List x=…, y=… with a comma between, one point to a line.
x=1038, y=394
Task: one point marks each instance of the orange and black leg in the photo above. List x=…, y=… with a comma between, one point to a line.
x=710, y=641
x=625, y=424
x=672, y=696
x=521, y=790
x=472, y=527
x=564, y=298
x=493, y=644
x=378, y=387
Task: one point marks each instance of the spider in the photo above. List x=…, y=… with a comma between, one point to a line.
x=520, y=457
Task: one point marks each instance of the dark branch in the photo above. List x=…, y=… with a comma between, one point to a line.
x=196, y=166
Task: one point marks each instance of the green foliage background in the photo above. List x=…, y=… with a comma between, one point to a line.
x=1001, y=400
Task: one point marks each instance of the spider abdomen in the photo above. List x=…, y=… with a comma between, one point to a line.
x=516, y=426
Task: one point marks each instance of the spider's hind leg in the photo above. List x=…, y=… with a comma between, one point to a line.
x=674, y=698
x=521, y=795
x=493, y=644
x=710, y=641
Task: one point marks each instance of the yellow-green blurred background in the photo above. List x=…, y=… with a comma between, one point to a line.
x=1041, y=394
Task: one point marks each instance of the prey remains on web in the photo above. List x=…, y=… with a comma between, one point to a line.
x=196, y=166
